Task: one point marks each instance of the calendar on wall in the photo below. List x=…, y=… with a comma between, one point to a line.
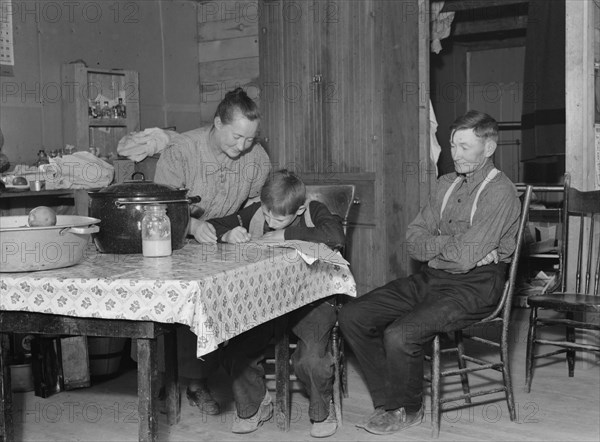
x=7, y=57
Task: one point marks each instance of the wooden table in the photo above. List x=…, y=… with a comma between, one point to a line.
x=219, y=291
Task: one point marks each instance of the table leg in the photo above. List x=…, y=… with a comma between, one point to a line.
x=147, y=389
x=6, y=420
x=173, y=395
x=81, y=200
x=282, y=374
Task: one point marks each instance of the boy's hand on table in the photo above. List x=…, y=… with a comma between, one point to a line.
x=236, y=236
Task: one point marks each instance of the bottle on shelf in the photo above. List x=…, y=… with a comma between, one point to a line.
x=156, y=231
x=97, y=113
x=106, y=113
x=121, y=109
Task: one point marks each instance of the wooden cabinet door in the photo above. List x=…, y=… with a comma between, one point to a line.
x=334, y=111
x=351, y=98
x=289, y=60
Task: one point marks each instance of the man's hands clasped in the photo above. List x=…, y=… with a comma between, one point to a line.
x=491, y=257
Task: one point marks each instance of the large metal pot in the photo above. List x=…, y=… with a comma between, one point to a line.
x=25, y=249
x=120, y=208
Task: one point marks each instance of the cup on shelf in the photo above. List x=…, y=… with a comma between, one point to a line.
x=37, y=185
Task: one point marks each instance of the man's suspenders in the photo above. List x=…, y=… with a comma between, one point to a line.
x=487, y=179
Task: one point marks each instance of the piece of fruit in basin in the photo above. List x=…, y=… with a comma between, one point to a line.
x=42, y=216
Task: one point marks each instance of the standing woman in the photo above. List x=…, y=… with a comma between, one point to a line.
x=225, y=165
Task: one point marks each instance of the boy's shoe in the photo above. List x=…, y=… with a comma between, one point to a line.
x=202, y=399
x=366, y=419
x=327, y=427
x=394, y=420
x=248, y=425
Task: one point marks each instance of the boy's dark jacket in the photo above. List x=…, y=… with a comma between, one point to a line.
x=327, y=227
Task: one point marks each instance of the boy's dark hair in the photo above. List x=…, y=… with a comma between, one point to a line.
x=283, y=193
x=237, y=100
x=483, y=125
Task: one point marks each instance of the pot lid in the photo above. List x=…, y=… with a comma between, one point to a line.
x=140, y=188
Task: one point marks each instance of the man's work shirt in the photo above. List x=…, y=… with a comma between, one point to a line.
x=455, y=243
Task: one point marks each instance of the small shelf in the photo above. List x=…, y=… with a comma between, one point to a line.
x=107, y=122
x=103, y=134
x=29, y=193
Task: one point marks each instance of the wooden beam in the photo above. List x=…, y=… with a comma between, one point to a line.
x=464, y=5
x=579, y=64
x=494, y=25
x=580, y=138
x=427, y=169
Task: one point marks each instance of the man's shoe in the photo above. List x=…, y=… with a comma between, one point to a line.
x=327, y=427
x=366, y=419
x=202, y=399
x=394, y=420
x=248, y=425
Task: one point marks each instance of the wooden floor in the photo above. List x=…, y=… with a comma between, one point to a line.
x=559, y=408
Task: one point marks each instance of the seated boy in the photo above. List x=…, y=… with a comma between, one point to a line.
x=284, y=214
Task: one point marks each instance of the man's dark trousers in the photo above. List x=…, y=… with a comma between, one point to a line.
x=388, y=327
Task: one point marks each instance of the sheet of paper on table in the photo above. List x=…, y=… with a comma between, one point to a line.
x=311, y=251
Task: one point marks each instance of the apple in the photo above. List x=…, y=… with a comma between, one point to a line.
x=42, y=216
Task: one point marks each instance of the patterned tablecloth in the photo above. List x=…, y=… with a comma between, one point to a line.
x=219, y=291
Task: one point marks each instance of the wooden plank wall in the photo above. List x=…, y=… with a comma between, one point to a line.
x=227, y=51
x=398, y=196
x=155, y=38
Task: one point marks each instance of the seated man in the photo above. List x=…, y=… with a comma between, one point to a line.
x=466, y=235
x=283, y=214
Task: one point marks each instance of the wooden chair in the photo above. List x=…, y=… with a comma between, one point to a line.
x=579, y=249
x=501, y=315
x=339, y=199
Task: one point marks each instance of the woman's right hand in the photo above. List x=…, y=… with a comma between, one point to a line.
x=203, y=232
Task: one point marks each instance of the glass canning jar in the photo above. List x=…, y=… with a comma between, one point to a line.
x=156, y=231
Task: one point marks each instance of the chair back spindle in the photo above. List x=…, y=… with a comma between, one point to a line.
x=478, y=362
x=583, y=207
x=337, y=197
x=575, y=310
x=509, y=285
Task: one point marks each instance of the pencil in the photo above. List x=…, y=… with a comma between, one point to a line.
x=240, y=221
